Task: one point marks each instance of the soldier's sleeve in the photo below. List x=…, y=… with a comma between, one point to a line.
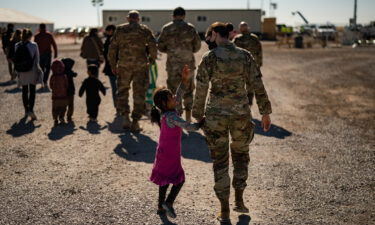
x=254, y=84
x=260, y=54
x=203, y=79
x=196, y=42
x=113, y=50
x=162, y=42
x=151, y=43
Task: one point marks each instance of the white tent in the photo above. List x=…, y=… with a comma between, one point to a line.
x=22, y=20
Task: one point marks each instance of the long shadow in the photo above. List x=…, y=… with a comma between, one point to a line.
x=93, y=127
x=275, y=131
x=136, y=147
x=194, y=146
x=14, y=90
x=7, y=83
x=21, y=128
x=43, y=90
x=58, y=132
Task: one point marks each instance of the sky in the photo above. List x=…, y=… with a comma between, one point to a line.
x=68, y=13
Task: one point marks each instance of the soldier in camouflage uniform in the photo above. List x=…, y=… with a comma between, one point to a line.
x=250, y=42
x=180, y=41
x=128, y=57
x=232, y=73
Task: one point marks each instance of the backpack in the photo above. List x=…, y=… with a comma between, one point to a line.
x=23, y=62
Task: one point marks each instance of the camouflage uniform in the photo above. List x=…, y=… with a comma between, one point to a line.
x=180, y=41
x=233, y=73
x=127, y=53
x=250, y=42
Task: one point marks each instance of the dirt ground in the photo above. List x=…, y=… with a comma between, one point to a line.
x=315, y=166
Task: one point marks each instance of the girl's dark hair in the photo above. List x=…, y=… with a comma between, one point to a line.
x=16, y=37
x=93, y=32
x=26, y=34
x=222, y=28
x=110, y=27
x=160, y=100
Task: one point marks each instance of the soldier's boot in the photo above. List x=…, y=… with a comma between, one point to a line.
x=126, y=123
x=224, y=214
x=239, y=204
x=135, y=127
x=188, y=115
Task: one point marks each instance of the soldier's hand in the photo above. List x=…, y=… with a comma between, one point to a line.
x=185, y=76
x=266, y=122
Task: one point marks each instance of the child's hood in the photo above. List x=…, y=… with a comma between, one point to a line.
x=69, y=63
x=58, y=67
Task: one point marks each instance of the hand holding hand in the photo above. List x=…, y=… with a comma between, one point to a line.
x=185, y=76
x=266, y=122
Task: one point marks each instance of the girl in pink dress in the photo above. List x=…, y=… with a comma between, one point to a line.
x=167, y=165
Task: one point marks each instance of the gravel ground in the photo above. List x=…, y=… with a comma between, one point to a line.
x=315, y=166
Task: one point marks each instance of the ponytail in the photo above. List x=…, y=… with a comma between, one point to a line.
x=160, y=100
x=155, y=115
x=222, y=28
x=26, y=35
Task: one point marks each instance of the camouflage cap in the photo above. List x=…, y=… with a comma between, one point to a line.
x=134, y=14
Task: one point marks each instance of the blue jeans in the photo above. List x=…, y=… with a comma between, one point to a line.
x=113, y=81
x=45, y=65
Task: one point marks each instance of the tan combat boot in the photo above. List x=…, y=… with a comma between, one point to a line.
x=239, y=204
x=188, y=115
x=135, y=126
x=126, y=121
x=224, y=214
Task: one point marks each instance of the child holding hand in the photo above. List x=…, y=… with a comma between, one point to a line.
x=167, y=167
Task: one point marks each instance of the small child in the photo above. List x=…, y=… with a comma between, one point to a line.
x=69, y=63
x=59, y=86
x=92, y=86
x=167, y=167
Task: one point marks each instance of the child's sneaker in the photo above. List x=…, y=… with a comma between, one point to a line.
x=32, y=116
x=169, y=210
x=161, y=211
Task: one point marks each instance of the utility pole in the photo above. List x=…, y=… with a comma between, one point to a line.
x=248, y=4
x=355, y=14
x=98, y=4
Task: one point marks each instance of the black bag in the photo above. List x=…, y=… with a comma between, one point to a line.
x=23, y=62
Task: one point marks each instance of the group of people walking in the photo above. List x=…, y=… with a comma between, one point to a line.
x=230, y=68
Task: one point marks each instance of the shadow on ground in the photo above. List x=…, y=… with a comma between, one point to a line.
x=58, y=132
x=275, y=131
x=7, y=83
x=14, y=90
x=43, y=90
x=22, y=127
x=93, y=127
x=136, y=147
x=194, y=147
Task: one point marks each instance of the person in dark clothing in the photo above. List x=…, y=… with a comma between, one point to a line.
x=92, y=85
x=45, y=41
x=69, y=63
x=16, y=37
x=6, y=41
x=109, y=30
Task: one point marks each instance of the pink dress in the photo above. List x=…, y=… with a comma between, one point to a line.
x=167, y=165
